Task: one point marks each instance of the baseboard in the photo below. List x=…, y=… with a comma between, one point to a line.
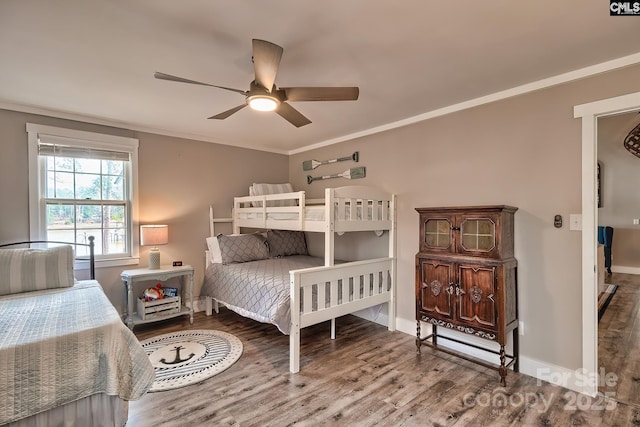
x=198, y=304
x=572, y=379
x=625, y=270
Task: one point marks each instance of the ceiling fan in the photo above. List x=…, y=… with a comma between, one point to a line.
x=263, y=95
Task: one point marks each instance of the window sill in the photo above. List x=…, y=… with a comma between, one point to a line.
x=102, y=263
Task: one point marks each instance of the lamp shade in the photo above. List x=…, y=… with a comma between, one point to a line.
x=153, y=235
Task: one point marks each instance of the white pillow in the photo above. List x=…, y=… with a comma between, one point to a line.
x=214, y=250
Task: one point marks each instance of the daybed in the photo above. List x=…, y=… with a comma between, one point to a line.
x=66, y=358
x=282, y=284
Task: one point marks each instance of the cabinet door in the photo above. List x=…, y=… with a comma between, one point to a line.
x=437, y=234
x=477, y=235
x=435, y=289
x=477, y=299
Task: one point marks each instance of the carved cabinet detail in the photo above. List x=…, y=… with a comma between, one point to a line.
x=466, y=278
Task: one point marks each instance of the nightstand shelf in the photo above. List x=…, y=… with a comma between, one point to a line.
x=164, y=273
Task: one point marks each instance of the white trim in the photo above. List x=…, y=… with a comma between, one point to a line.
x=625, y=270
x=581, y=73
x=543, y=371
x=32, y=109
x=497, y=96
x=589, y=113
x=87, y=139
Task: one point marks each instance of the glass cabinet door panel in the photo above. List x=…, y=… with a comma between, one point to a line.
x=478, y=234
x=437, y=233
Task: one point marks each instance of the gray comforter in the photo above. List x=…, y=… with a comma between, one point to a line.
x=61, y=345
x=258, y=289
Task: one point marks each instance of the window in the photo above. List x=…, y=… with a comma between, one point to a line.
x=84, y=184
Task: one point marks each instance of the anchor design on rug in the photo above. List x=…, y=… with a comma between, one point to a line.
x=177, y=359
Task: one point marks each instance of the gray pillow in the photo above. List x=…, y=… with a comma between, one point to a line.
x=243, y=248
x=285, y=243
x=25, y=270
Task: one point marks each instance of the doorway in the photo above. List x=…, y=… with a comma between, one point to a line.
x=618, y=207
x=589, y=113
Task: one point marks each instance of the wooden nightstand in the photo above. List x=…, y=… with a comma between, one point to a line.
x=164, y=273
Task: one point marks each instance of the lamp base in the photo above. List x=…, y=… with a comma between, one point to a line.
x=154, y=259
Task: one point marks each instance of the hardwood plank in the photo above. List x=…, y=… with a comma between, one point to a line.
x=368, y=376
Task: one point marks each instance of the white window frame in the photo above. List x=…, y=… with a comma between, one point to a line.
x=37, y=182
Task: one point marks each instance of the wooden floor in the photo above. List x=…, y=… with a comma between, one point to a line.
x=619, y=341
x=369, y=376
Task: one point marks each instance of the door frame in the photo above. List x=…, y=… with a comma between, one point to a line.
x=589, y=113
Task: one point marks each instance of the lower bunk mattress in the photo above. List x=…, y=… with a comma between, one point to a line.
x=259, y=290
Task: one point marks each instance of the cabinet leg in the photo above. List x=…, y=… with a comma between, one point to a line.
x=418, y=340
x=516, y=350
x=502, y=370
x=125, y=303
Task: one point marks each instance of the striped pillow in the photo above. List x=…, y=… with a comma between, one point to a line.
x=25, y=270
x=263, y=189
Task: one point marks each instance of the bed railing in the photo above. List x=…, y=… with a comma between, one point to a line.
x=349, y=208
x=323, y=293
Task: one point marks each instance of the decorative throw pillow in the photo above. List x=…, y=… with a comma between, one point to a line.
x=285, y=243
x=243, y=248
x=25, y=270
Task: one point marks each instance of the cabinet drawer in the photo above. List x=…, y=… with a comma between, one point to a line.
x=485, y=232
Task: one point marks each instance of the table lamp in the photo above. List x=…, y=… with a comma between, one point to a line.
x=154, y=235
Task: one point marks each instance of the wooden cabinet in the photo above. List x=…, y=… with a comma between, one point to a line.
x=466, y=278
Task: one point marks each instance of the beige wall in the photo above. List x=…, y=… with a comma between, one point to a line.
x=178, y=180
x=621, y=197
x=524, y=151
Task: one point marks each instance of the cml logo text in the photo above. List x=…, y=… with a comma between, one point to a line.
x=622, y=8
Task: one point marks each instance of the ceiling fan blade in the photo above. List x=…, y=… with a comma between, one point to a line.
x=227, y=113
x=292, y=115
x=266, y=60
x=163, y=76
x=321, y=93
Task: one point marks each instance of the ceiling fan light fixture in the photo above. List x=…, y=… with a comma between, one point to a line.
x=263, y=103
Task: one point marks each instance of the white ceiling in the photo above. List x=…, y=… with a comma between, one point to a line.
x=94, y=59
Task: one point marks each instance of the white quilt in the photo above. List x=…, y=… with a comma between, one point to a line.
x=61, y=345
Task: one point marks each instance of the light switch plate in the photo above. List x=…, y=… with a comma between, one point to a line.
x=575, y=222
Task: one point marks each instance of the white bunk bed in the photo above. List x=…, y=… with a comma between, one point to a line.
x=317, y=294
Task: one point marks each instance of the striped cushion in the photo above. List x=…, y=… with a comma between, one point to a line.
x=263, y=189
x=25, y=270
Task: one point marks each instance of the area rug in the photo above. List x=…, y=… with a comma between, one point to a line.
x=188, y=357
x=605, y=298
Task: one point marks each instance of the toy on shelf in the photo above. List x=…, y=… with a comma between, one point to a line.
x=152, y=294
